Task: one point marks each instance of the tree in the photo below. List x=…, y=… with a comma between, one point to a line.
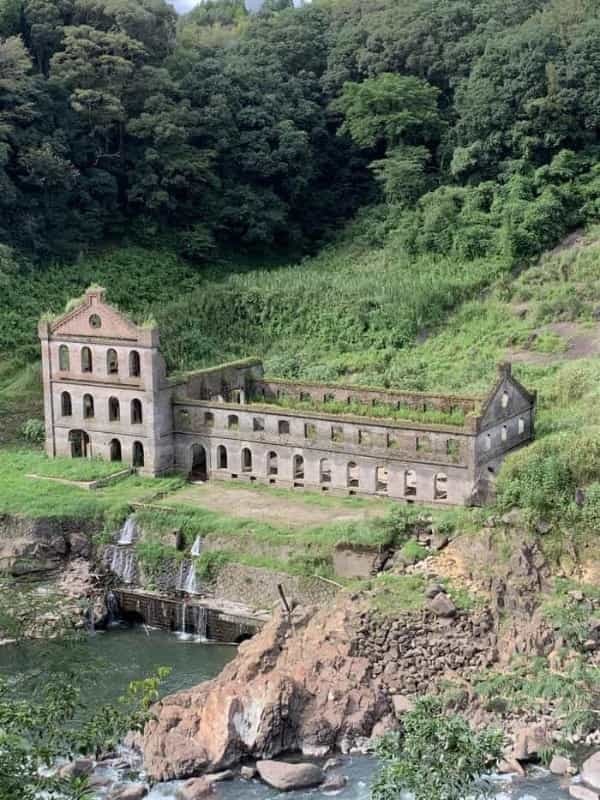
x=437, y=757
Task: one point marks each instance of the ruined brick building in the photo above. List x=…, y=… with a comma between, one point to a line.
x=107, y=394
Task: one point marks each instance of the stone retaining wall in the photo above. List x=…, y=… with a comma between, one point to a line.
x=413, y=653
x=257, y=587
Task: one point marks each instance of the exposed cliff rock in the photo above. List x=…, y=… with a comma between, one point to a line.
x=323, y=680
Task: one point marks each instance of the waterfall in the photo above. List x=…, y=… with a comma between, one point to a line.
x=128, y=532
x=186, y=580
x=197, y=547
x=122, y=562
x=113, y=609
x=202, y=622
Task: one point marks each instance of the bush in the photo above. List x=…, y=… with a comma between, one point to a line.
x=438, y=757
x=34, y=431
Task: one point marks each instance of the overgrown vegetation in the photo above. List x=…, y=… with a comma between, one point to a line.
x=438, y=756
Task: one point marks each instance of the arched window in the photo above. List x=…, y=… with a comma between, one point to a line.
x=505, y=399
x=272, y=464
x=112, y=362
x=504, y=433
x=353, y=479
x=138, y=454
x=325, y=470
x=488, y=441
x=298, y=468
x=209, y=419
x=86, y=359
x=66, y=407
x=381, y=478
x=136, y=412
x=410, y=483
x=115, y=450
x=114, y=409
x=88, y=406
x=441, y=486
x=80, y=444
x=233, y=422
x=199, y=464
x=246, y=460
x=64, y=359
x=134, y=364
x=521, y=426
x=221, y=457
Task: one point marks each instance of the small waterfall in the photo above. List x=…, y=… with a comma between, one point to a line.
x=113, y=609
x=202, y=622
x=197, y=547
x=122, y=562
x=129, y=531
x=186, y=580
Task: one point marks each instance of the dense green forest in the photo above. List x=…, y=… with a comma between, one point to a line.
x=474, y=123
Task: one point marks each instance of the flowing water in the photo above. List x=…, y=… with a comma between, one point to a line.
x=129, y=531
x=109, y=661
x=121, y=561
x=187, y=580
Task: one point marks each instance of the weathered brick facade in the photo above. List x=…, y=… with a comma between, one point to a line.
x=107, y=394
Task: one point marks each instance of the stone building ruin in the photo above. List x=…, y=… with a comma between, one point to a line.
x=107, y=394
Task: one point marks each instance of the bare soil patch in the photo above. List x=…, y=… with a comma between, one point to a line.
x=279, y=507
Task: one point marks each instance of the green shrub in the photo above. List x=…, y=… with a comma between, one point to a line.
x=438, y=757
x=591, y=507
x=34, y=431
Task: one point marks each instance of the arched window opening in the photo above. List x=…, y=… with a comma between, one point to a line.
x=115, y=450
x=325, y=470
x=112, y=362
x=199, y=467
x=114, y=409
x=505, y=399
x=138, y=454
x=441, y=486
x=272, y=464
x=410, y=483
x=135, y=366
x=209, y=419
x=136, y=412
x=221, y=457
x=80, y=444
x=233, y=422
x=298, y=468
x=381, y=478
x=86, y=359
x=246, y=460
x=504, y=433
x=64, y=358
x=66, y=407
x=353, y=476
x=88, y=406
x=521, y=426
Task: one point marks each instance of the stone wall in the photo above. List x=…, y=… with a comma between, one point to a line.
x=257, y=587
x=413, y=653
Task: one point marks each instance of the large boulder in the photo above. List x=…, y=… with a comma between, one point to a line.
x=580, y=792
x=195, y=789
x=530, y=741
x=133, y=791
x=285, y=777
x=590, y=771
x=297, y=686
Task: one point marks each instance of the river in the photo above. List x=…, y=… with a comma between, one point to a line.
x=107, y=662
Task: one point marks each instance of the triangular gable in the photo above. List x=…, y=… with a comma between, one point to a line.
x=94, y=318
x=520, y=399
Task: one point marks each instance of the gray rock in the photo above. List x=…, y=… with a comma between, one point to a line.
x=195, y=789
x=560, y=765
x=284, y=776
x=334, y=783
x=332, y=763
x=77, y=768
x=543, y=527
x=590, y=771
x=219, y=777
x=247, y=773
x=402, y=705
x=133, y=791
x=530, y=741
x=433, y=590
x=442, y=606
x=581, y=792
x=512, y=518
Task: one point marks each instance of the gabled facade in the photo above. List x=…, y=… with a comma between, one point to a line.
x=107, y=394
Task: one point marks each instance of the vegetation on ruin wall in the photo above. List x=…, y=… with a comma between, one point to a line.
x=380, y=411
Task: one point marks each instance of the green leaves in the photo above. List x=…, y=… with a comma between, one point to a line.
x=437, y=757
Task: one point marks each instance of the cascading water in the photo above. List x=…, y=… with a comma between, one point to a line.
x=202, y=622
x=128, y=532
x=197, y=547
x=122, y=562
x=113, y=609
x=186, y=580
